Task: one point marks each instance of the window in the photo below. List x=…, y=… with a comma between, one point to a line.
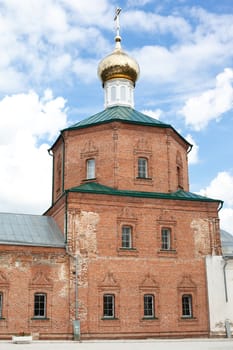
x=179, y=178
x=123, y=93
x=179, y=170
x=149, y=305
x=113, y=93
x=1, y=304
x=142, y=168
x=166, y=239
x=90, y=168
x=40, y=305
x=126, y=237
x=109, y=306
x=187, y=308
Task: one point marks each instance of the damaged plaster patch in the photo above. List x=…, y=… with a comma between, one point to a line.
x=85, y=233
x=201, y=236
x=82, y=238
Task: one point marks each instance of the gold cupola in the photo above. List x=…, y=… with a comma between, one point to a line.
x=118, y=73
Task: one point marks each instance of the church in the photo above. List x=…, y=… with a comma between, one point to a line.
x=121, y=252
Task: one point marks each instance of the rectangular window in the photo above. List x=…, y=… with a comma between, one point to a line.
x=1, y=304
x=126, y=237
x=149, y=305
x=109, y=306
x=91, y=169
x=142, y=168
x=166, y=239
x=40, y=305
x=187, y=311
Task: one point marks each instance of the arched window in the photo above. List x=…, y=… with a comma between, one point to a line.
x=123, y=93
x=126, y=237
x=142, y=167
x=179, y=171
x=187, y=307
x=113, y=93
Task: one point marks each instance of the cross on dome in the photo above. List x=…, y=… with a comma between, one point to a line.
x=118, y=72
x=117, y=20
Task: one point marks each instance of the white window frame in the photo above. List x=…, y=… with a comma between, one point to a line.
x=149, y=312
x=1, y=304
x=105, y=307
x=166, y=238
x=187, y=306
x=142, y=168
x=37, y=313
x=126, y=237
x=90, y=168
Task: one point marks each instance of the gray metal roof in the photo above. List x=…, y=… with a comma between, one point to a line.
x=31, y=230
x=227, y=243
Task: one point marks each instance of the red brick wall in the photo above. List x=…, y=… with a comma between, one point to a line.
x=94, y=225
x=94, y=234
x=28, y=270
x=116, y=148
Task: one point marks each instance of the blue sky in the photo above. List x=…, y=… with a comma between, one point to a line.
x=50, y=50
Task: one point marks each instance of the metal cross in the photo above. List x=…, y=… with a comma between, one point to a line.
x=116, y=18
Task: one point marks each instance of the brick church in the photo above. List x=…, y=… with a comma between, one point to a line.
x=121, y=251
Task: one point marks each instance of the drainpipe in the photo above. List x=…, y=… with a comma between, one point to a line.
x=76, y=322
x=225, y=280
x=63, y=160
x=51, y=154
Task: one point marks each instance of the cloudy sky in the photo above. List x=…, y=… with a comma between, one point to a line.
x=50, y=50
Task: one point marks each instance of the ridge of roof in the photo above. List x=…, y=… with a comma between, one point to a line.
x=93, y=187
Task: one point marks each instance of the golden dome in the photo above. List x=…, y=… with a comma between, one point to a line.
x=118, y=65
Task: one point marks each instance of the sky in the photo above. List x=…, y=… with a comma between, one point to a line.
x=50, y=50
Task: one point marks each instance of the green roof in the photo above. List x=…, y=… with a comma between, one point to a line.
x=95, y=188
x=119, y=113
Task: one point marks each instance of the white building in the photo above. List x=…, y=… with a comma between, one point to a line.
x=220, y=288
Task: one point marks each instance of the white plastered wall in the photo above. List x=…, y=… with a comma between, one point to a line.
x=220, y=294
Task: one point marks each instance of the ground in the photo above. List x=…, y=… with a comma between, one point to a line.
x=190, y=344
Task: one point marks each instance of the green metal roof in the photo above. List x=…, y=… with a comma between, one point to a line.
x=95, y=188
x=119, y=113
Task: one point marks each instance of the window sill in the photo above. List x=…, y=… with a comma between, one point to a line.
x=40, y=318
x=143, y=178
x=170, y=253
x=127, y=251
x=188, y=320
x=149, y=318
x=110, y=319
x=143, y=181
x=90, y=180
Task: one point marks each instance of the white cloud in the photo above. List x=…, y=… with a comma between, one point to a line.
x=26, y=168
x=148, y=21
x=211, y=104
x=193, y=154
x=226, y=219
x=156, y=114
x=41, y=40
x=221, y=187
